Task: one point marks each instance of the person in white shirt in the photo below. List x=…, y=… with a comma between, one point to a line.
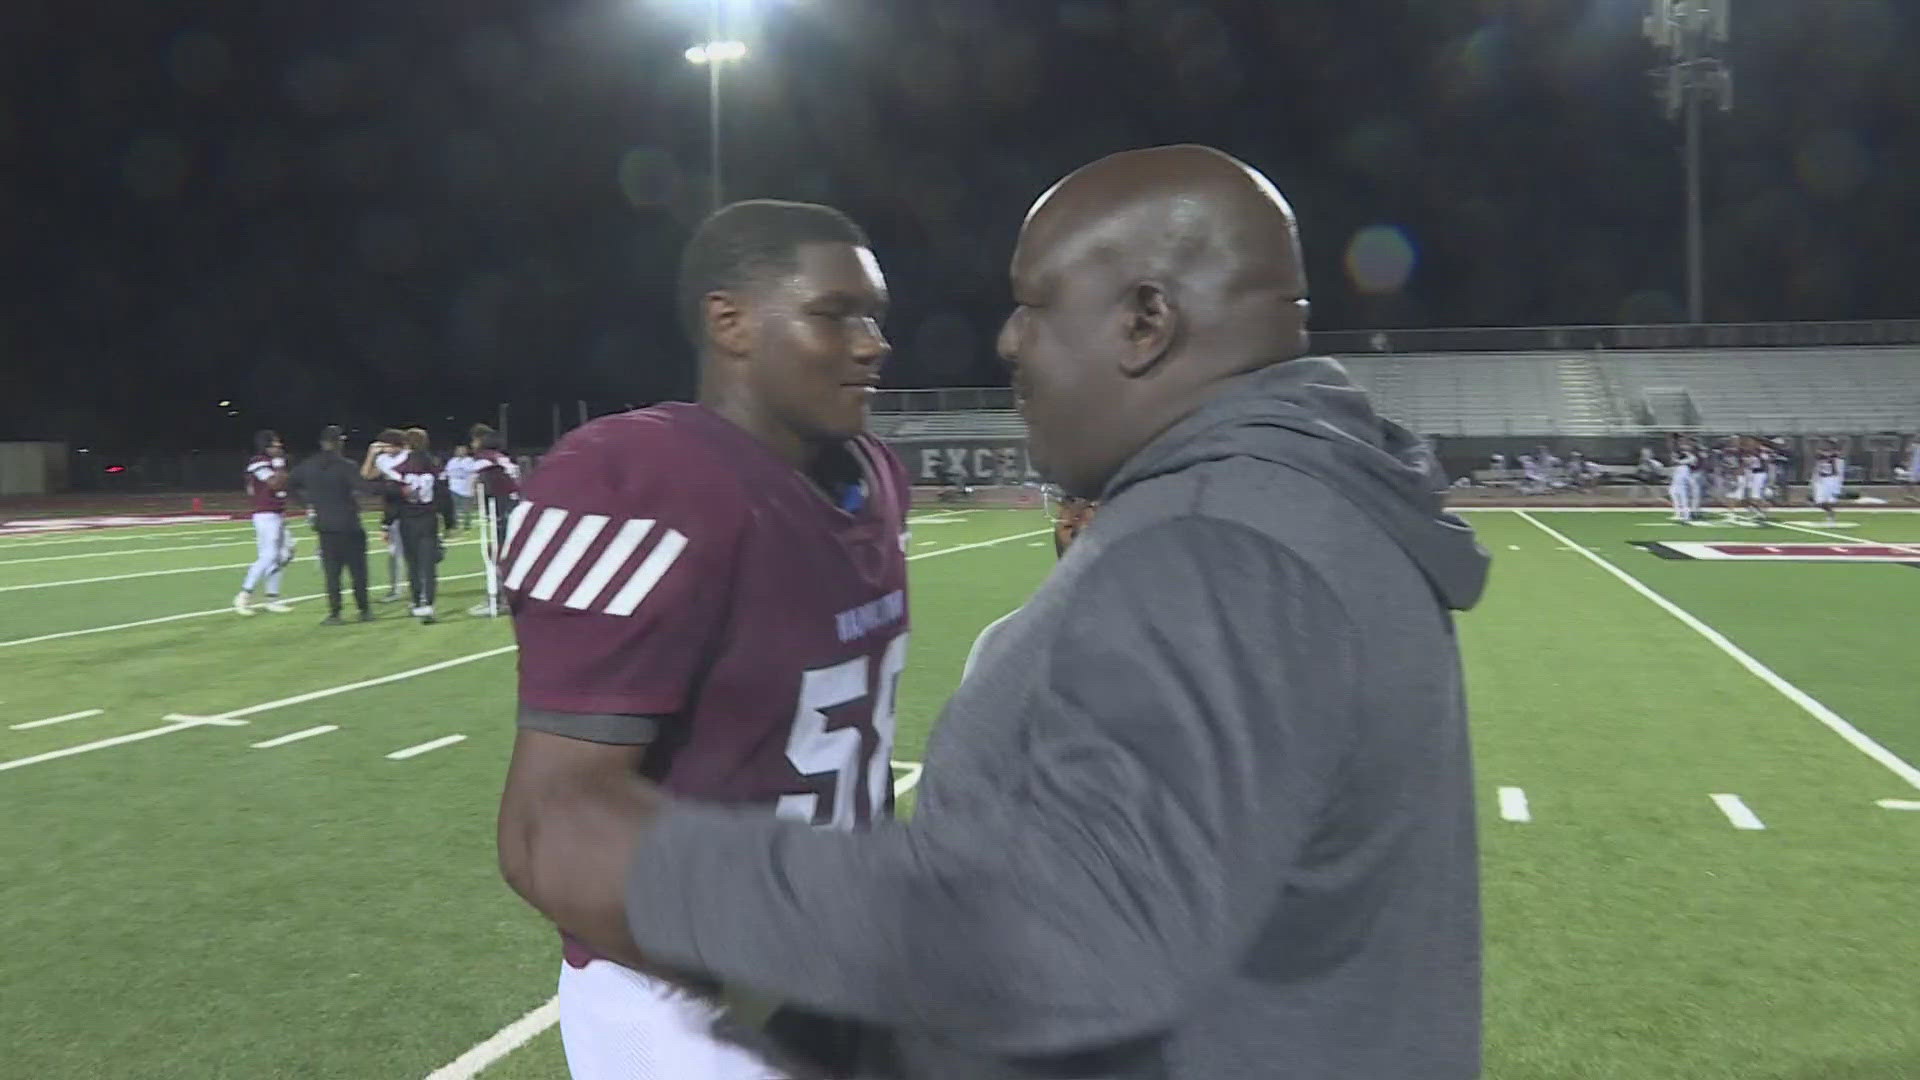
x=460, y=471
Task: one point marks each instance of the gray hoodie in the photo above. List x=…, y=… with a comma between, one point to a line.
x=1202, y=809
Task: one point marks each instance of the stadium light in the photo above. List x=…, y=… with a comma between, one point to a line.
x=1687, y=33
x=717, y=52
x=226, y=404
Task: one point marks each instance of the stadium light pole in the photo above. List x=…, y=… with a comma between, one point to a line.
x=712, y=53
x=1687, y=32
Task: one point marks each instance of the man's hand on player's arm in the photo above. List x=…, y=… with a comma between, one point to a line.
x=569, y=819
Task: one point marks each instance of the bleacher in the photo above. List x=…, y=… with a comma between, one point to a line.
x=1784, y=391
x=956, y=423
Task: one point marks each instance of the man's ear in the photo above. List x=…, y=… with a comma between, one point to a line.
x=727, y=325
x=1151, y=327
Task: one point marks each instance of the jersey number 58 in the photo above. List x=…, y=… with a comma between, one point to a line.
x=832, y=758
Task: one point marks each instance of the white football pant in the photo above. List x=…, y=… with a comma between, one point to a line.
x=273, y=544
x=618, y=1024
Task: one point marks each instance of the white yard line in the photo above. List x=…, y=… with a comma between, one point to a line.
x=904, y=784
x=225, y=609
x=158, y=573
x=1858, y=739
x=52, y=720
x=9, y=545
x=500, y=1044
x=981, y=544
x=1513, y=805
x=304, y=733
x=1899, y=804
x=117, y=554
x=1539, y=509
x=426, y=747
x=316, y=695
x=1737, y=812
x=117, y=740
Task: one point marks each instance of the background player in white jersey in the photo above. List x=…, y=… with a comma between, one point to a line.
x=1756, y=473
x=460, y=469
x=1913, y=468
x=1829, y=479
x=1683, y=481
x=273, y=544
x=713, y=597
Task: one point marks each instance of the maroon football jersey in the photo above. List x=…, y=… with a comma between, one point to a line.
x=412, y=478
x=497, y=473
x=261, y=496
x=665, y=563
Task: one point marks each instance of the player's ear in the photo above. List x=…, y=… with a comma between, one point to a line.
x=727, y=325
x=1150, y=325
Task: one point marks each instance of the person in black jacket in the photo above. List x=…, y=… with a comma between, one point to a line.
x=330, y=486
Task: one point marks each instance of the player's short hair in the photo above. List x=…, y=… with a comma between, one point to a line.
x=749, y=242
x=492, y=441
x=264, y=438
x=416, y=438
x=478, y=430
x=330, y=436
x=393, y=437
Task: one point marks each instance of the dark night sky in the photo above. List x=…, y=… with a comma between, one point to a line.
x=375, y=212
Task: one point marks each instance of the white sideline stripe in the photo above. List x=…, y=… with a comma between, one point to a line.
x=550, y=521
x=1898, y=804
x=100, y=535
x=1911, y=549
x=223, y=610
x=904, y=784
x=1513, y=805
x=500, y=1044
x=1737, y=812
x=129, y=551
x=1834, y=721
x=157, y=573
x=102, y=744
x=425, y=747
x=980, y=544
x=583, y=534
x=305, y=733
x=51, y=720
x=625, y=543
x=648, y=573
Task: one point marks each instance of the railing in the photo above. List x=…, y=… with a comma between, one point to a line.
x=1665, y=336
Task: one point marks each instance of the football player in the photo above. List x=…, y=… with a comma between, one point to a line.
x=713, y=597
x=413, y=477
x=1756, y=464
x=498, y=479
x=386, y=452
x=1683, y=481
x=273, y=544
x=1829, y=477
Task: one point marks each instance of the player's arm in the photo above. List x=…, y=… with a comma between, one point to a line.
x=1124, y=858
x=607, y=650
x=569, y=799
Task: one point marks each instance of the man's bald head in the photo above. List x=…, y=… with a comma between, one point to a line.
x=1143, y=279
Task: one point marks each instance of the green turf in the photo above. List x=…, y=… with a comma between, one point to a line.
x=185, y=906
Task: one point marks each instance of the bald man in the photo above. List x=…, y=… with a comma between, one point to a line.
x=1202, y=808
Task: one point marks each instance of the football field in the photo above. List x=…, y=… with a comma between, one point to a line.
x=257, y=847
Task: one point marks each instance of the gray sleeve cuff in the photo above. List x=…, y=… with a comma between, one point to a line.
x=613, y=728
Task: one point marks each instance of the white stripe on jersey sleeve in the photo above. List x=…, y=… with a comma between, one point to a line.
x=568, y=557
x=625, y=543
x=543, y=530
x=648, y=574
x=514, y=518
